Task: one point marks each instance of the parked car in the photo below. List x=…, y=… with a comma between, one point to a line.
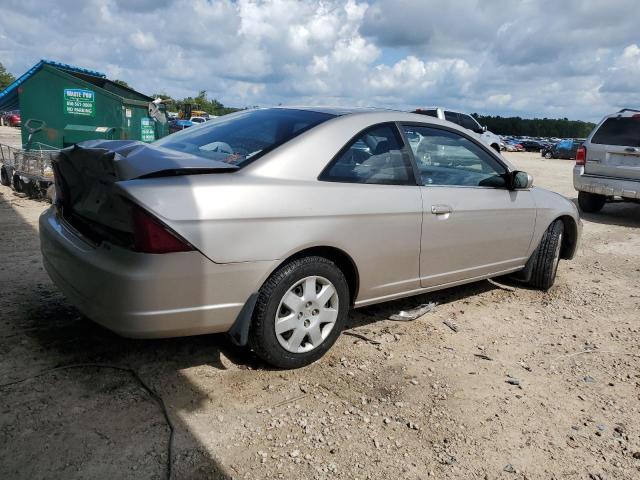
x=464, y=120
x=608, y=163
x=12, y=118
x=514, y=146
x=531, y=145
x=222, y=228
x=198, y=119
x=179, y=124
x=565, y=149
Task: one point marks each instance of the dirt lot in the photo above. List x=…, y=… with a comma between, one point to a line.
x=415, y=402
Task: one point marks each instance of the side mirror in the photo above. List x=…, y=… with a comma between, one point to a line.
x=520, y=180
x=484, y=128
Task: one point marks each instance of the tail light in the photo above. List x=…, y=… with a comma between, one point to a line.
x=581, y=155
x=151, y=236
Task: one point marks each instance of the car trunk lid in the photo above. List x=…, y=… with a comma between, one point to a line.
x=87, y=174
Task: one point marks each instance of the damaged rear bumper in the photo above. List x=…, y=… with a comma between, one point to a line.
x=145, y=295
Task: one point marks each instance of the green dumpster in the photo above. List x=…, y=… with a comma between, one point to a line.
x=77, y=106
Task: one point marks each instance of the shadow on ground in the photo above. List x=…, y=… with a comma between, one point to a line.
x=622, y=214
x=90, y=422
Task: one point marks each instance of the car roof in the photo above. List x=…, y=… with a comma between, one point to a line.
x=333, y=110
x=434, y=107
x=376, y=114
x=625, y=112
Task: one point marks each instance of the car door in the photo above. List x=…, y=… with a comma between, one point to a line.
x=378, y=211
x=472, y=224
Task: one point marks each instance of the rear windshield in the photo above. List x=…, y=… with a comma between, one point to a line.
x=624, y=131
x=242, y=137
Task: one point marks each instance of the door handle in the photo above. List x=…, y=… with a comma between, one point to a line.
x=631, y=150
x=440, y=209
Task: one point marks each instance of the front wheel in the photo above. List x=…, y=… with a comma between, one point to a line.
x=547, y=257
x=547, y=155
x=300, y=312
x=591, y=202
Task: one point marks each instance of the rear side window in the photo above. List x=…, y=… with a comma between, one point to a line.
x=467, y=122
x=375, y=156
x=623, y=131
x=452, y=117
x=431, y=113
x=242, y=137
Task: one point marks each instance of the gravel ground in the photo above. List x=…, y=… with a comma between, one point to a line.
x=532, y=385
x=10, y=136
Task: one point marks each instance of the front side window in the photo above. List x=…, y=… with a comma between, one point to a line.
x=375, y=157
x=448, y=158
x=244, y=136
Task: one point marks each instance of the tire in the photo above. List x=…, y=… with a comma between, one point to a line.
x=547, y=155
x=294, y=348
x=591, y=202
x=547, y=257
x=17, y=183
x=5, y=179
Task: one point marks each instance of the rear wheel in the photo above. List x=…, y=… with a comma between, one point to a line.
x=591, y=202
x=547, y=257
x=300, y=312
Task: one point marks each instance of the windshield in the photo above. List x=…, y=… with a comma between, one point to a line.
x=242, y=137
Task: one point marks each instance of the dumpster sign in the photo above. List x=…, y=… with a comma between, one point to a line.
x=147, y=130
x=78, y=101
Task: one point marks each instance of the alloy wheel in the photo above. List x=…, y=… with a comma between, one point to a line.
x=307, y=314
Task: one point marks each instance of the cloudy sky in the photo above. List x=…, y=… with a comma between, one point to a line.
x=573, y=58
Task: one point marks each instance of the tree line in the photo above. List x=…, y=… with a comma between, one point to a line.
x=536, y=127
x=199, y=102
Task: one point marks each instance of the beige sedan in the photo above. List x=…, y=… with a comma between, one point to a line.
x=270, y=224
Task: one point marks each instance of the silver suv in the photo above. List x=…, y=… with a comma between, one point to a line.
x=466, y=121
x=608, y=163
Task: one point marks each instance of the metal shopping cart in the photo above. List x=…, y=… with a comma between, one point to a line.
x=28, y=170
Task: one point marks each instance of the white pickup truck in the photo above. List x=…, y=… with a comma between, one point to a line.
x=464, y=120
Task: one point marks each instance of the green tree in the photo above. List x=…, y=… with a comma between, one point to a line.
x=536, y=127
x=202, y=102
x=6, y=78
x=122, y=83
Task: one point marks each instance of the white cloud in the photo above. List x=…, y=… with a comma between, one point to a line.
x=574, y=59
x=143, y=41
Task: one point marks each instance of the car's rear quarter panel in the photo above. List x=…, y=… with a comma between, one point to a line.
x=378, y=226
